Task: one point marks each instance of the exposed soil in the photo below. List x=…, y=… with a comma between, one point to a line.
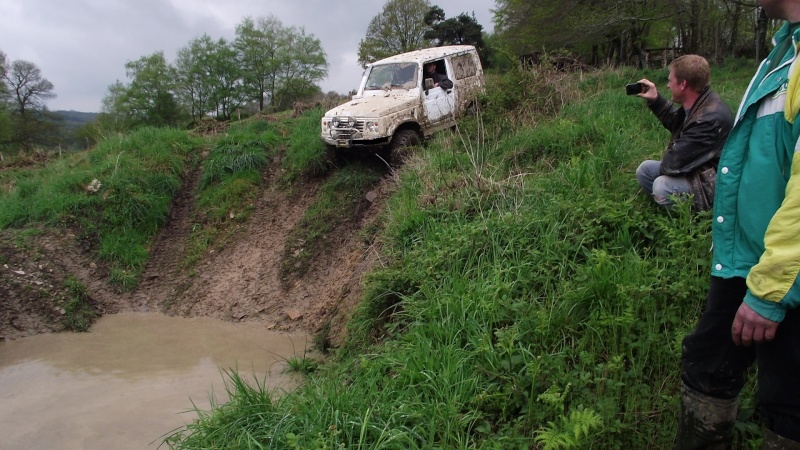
x=240, y=282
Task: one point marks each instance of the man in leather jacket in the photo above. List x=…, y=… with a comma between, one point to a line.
x=699, y=127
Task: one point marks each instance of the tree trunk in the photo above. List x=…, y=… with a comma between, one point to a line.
x=761, y=35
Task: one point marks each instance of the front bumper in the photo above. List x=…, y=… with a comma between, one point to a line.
x=349, y=133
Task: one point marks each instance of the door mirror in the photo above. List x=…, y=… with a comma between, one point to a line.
x=428, y=83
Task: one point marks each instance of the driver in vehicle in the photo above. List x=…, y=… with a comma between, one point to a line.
x=439, y=79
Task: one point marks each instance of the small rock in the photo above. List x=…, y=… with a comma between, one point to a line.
x=371, y=196
x=19, y=272
x=294, y=314
x=62, y=311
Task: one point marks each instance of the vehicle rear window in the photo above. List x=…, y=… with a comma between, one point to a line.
x=464, y=66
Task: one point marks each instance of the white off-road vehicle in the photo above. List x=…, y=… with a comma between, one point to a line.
x=398, y=104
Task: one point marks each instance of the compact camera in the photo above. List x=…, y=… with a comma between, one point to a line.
x=634, y=88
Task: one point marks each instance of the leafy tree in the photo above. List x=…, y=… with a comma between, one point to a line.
x=260, y=48
x=399, y=28
x=149, y=99
x=301, y=68
x=225, y=77
x=194, y=83
x=26, y=86
x=614, y=32
x=279, y=64
x=114, y=115
x=27, y=92
x=460, y=30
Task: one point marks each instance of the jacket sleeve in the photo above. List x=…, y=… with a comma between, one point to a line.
x=773, y=283
x=667, y=113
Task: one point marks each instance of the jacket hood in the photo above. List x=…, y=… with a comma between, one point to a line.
x=377, y=106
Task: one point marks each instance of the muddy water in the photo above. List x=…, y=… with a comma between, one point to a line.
x=129, y=381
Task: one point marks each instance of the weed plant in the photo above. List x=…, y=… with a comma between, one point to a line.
x=78, y=311
x=116, y=195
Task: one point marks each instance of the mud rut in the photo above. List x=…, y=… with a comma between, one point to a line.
x=241, y=282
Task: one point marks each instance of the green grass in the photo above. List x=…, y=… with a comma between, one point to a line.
x=78, y=311
x=117, y=194
x=305, y=154
x=530, y=297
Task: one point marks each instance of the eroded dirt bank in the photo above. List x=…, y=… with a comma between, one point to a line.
x=238, y=283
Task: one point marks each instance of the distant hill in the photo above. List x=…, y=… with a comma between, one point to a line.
x=71, y=122
x=76, y=119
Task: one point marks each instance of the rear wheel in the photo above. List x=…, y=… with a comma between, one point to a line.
x=401, y=145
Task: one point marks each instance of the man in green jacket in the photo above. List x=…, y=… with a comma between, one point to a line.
x=751, y=312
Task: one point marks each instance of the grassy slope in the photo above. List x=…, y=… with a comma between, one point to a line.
x=534, y=297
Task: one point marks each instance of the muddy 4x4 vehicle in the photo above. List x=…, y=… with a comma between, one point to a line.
x=398, y=104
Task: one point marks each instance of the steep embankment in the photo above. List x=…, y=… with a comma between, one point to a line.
x=240, y=282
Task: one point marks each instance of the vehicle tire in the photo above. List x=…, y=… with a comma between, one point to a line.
x=401, y=145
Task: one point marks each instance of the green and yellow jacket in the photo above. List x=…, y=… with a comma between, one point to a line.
x=756, y=221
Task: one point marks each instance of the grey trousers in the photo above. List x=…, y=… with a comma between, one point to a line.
x=663, y=188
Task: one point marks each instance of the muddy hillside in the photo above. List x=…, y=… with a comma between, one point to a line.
x=242, y=281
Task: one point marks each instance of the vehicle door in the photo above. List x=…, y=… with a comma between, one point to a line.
x=438, y=103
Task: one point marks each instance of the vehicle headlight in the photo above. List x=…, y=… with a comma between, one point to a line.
x=326, y=123
x=372, y=126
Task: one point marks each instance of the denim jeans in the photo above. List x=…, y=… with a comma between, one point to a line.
x=663, y=188
x=713, y=365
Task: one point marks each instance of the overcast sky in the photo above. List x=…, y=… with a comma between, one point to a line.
x=81, y=46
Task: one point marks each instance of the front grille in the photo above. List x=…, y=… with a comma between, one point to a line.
x=346, y=128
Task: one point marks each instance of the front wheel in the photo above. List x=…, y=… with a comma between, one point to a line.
x=401, y=145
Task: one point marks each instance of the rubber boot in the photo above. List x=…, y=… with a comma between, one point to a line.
x=705, y=422
x=774, y=442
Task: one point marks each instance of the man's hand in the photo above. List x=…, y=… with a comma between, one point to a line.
x=649, y=91
x=749, y=326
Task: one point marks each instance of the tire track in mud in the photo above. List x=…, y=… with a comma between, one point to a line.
x=242, y=281
x=162, y=276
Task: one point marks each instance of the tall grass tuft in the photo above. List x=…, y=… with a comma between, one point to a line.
x=305, y=154
x=78, y=311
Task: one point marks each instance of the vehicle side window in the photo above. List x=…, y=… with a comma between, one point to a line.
x=463, y=66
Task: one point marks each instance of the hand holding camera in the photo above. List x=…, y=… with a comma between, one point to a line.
x=644, y=88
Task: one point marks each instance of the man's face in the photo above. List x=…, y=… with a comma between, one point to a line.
x=676, y=87
x=772, y=8
x=430, y=68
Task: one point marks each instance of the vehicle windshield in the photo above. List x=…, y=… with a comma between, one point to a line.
x=392, y=76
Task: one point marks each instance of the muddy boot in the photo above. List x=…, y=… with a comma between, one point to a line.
x=774, y=442
x=706, y=422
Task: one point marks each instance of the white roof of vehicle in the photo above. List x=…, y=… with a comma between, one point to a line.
x=426, y=54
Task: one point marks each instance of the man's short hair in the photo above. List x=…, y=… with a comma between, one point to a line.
x=692, y=68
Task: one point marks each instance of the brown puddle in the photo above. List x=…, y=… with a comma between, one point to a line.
x=130, y=380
